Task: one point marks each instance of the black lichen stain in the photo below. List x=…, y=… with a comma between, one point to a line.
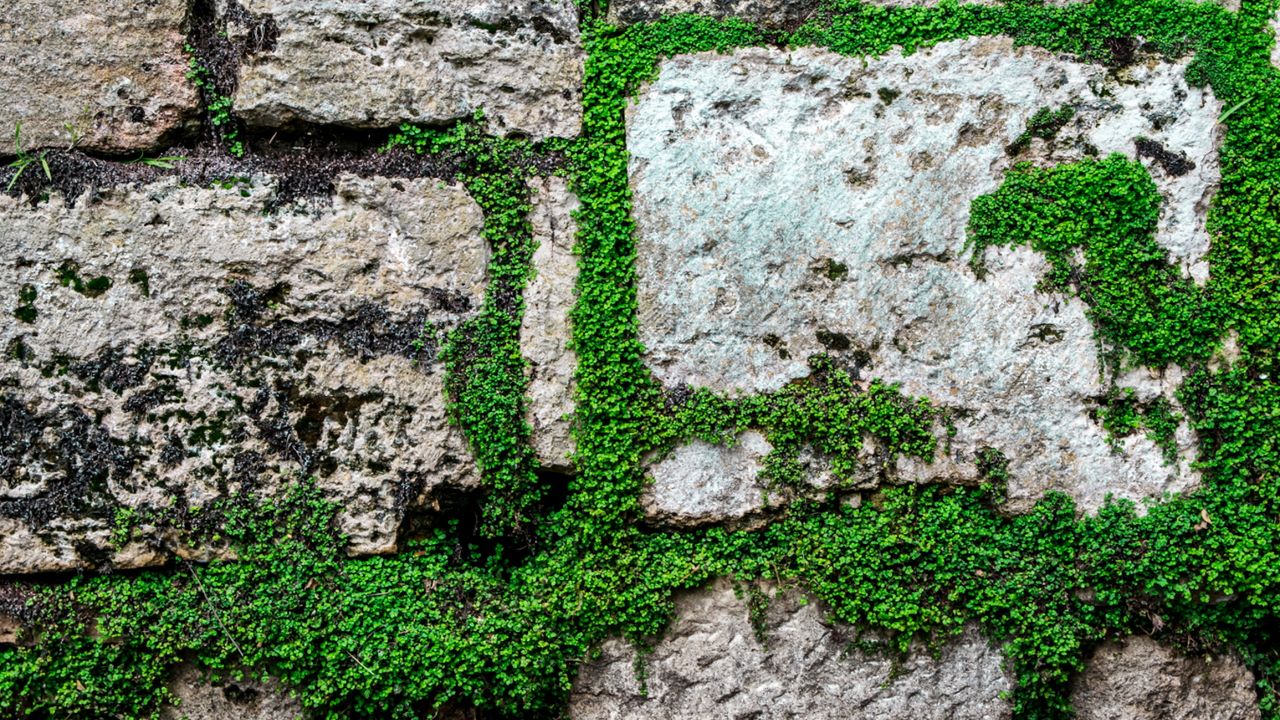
x=73, y=462
x=833, y=340
x=366, y=333
x=141, y=280
x=1175, y=164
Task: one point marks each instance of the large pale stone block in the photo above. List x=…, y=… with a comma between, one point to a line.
x=169, y=346
x=790, y=203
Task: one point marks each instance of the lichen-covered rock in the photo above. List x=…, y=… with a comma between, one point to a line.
x=108, y=76
x=711, y=665
x=544, y=330
x=1140, y=679
x=384, y=62
x=795, y=203
x=200, y=699
x=700, y=482
x=168, y=346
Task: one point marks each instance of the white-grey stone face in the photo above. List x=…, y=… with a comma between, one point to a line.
x=800, y=200
x=701, y=482
x=378, y=63
x=107, y=76
x=709, y=664
x=544, y=329
x=1275, y=49
x=1138, y=678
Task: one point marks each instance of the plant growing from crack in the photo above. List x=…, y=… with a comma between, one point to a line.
x=25, y=160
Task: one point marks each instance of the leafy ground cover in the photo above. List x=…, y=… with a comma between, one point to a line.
x=498, y=614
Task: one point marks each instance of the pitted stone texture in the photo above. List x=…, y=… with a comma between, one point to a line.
x=383, y=62
x=544, y=330
x=1139, y=679
x=200, y=699
x=782, y=198
x=114, y=70
x=710, y=665
x=699, y=482
x=234, y=351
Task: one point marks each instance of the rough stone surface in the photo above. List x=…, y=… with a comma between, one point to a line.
x=700, y=482
x=119, y=96
x=1139, y=679
x=383, y=62
x=710, y=665
x=806, y=202
x=234, y=350
x=200, y=699
x=544, y=330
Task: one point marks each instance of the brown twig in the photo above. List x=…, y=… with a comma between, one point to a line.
x=213, y=609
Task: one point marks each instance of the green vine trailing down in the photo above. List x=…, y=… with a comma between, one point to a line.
x=217, y=105
x=500, y=619
x=484, y=368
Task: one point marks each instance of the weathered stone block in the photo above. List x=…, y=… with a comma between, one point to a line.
x=113, y=71
x=710, y=665
x=385, y=62
x=200, y=699
x=795, y=203
x=167, y=346
x=1140, y=679
x=544, y=329
x=699, y=482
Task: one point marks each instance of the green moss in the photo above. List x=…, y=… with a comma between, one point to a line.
x=500, y=619
x=1142, y=307
x=26, y=309
x=141, y=280
x=69, y=276
x=1044, y=124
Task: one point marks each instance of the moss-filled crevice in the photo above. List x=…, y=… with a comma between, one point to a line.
x=486, y=379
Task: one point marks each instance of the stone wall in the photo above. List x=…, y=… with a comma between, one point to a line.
x=234, y=262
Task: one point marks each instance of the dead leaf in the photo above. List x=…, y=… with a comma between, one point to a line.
x=1205, y=522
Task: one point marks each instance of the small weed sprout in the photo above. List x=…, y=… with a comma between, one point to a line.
x=25, y=159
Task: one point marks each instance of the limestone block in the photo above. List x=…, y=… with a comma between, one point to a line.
x=544, y=330
x=112, y=71
x=170, y=346
x=380, y=63
x=790, y=203
x=711, y=665
x=1140, y=679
